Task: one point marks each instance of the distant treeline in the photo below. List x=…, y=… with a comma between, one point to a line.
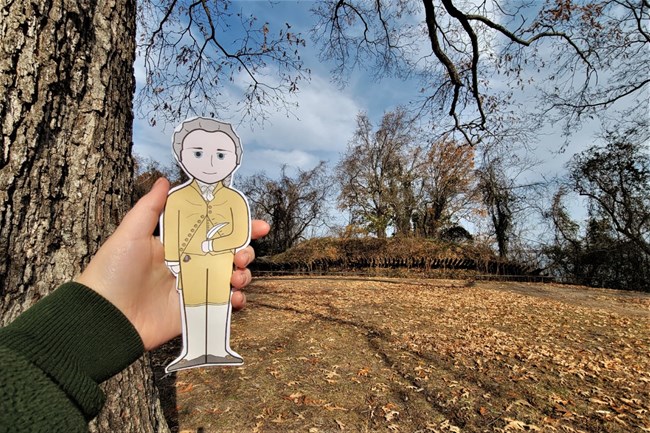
x=405, y=198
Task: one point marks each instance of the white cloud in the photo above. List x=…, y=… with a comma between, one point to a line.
x=152, y=142
x=270, y=161
x=323, y=121
x=139, y=71
x=320, y=128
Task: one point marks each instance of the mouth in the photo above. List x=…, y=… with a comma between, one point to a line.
x=207, y=172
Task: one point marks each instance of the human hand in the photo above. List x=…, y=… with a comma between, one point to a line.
x=129, y=271
x=241, y=276
x=205, y=246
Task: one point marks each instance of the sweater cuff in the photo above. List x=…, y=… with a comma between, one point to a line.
x=79, y=339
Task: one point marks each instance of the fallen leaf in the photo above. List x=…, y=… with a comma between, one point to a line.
x=597, y=401
x=330, y=406
x=363, y=372
x=186, y=388
x=390, y=415
x=296, y=397
x=449, y=426
x=631, y=402
x=514, y=424
x=519, y=402
x=331, y=374
x=390, y=411
x=278, y=419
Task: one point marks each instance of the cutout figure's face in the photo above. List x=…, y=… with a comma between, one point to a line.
x=208, y=156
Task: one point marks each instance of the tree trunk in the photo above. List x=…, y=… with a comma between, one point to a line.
x=66, y=80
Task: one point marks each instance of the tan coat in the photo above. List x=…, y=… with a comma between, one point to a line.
x=204, y=277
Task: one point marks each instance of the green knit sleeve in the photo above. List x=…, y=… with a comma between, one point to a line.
x=53, y=357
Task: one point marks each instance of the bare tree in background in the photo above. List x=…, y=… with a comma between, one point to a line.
x=147, y=171
x=396, y=177
x=449, y=186
x=615, y=178
x=199, y=56
x=377, y=174
x=611, y=247
x=587, y=54
x=291, y=204
x=499, y=200
x=509, y=198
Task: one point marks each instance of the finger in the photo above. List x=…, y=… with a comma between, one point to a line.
x=244, y=257
x=241, y=278
x=238, y=300
x=259, y=228
x=145, y=214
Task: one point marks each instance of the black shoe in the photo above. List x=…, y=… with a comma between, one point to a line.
x=186, y=363
x=224, y=360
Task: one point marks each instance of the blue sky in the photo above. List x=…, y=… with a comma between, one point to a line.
x=324, y=122
x=319, y=129
x=322, y=125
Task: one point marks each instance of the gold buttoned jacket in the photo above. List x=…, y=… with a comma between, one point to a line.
x=188, y=218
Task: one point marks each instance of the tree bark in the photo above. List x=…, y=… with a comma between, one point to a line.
x=66, y=80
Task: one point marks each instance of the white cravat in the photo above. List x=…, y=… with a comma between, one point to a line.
x=207, y=190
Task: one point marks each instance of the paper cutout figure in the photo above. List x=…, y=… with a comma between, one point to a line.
x=204, y=223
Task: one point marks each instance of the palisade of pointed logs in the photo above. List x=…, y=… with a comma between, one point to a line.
x=357, y=255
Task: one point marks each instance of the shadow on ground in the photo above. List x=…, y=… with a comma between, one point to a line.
x=397, y=355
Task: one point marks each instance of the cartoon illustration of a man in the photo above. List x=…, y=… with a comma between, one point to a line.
x=204, y=223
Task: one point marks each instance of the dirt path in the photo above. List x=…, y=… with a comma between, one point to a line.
x=362, y=355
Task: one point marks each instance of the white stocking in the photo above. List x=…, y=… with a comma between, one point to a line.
x=219, y=330
x=195, y=330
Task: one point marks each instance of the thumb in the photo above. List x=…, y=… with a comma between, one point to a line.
x=143, y=217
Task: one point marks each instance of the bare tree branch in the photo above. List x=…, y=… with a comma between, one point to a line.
x=582, y=56
x=199, y=51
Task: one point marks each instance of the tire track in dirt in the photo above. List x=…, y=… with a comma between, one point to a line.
x=336, y=354
x=381, y=342
x=373, y=336
x=499, y=384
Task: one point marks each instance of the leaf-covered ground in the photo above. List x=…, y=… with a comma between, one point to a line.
x=360, y=355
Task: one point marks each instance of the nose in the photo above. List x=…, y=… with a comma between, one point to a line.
x=211, y=160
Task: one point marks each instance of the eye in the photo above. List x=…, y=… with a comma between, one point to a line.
x=221, y=155
x=198, y=153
